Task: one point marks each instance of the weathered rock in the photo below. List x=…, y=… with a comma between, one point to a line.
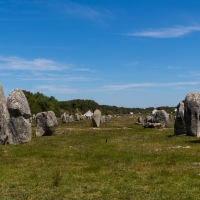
x=82, y=117
x=161, y=117
x=46, y=123
x=103, y=119
x=71, y=118
x=65, y=118
x=76, y=117
x=4, y=118
x=192, y=114
x=153, y=125
x=109, y=117
x=96, y=118
x=179, y=125
x=20, y=114
x=140, y=120
x=149, y=119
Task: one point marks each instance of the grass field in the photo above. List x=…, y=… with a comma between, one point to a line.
x=119, y=160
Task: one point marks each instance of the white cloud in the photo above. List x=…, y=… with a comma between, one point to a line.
x=127, y=86
x=195, y=73
x=139, y=85
x=57, y=77
x=134, y=63
x=80, y=10
x=81, y=69
x=6, y=74
x=172, y=67
x=58, y=89
x=39, y=64
x=77, y=10
x=177, y=31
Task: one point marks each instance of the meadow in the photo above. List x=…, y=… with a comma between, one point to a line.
x=118, y=160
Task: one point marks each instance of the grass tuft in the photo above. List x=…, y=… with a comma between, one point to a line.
x=56, y=178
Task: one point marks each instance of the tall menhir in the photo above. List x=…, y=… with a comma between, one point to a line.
x=20, y=114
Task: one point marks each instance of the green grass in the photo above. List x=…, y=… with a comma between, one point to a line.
x=78, y=163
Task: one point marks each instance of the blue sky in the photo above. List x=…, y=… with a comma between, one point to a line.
x=131, y=53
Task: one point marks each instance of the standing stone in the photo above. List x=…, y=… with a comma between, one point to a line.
x=96, y=118
x=52, y=123
x=82, y=117
x=148, y=119
x=20, y=114
x=46, y=123
x=4, y=118
x=140, y=120
x=179, y=125
x=76, y=117
x=103, y=119
x=191, y=114
x=71, y=118
x=109, y=117
x=40, y=123
x=65, y=118
x=161, y=117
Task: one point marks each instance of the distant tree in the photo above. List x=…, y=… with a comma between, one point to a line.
x=38, y=102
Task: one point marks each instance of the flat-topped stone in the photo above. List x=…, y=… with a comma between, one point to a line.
x=192, y=113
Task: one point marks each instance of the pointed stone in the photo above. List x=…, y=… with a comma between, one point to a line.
x=96, y=119
x=20, y=115
x=179, y=125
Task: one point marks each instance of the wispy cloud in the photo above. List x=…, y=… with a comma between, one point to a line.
x=80, y=10
x=134, y=63
x=81, y=69
x=173, y=67
x=173, y=32
x=77, y=10
x=139, y=85
x=58, y=89
x=39, y=64
x=56, y=78
x=126, y=86
x=195, y=73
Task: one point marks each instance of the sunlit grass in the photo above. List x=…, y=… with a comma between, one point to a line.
x=119, y=160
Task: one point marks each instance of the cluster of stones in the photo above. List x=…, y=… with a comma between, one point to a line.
x=66, y=118
x=15, y=126
x=98, y=119
x=187, y=119
x=159, y=120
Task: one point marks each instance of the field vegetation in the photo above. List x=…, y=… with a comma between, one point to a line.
x=118, y=160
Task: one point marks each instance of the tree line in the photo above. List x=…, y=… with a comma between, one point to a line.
x=39, y=102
